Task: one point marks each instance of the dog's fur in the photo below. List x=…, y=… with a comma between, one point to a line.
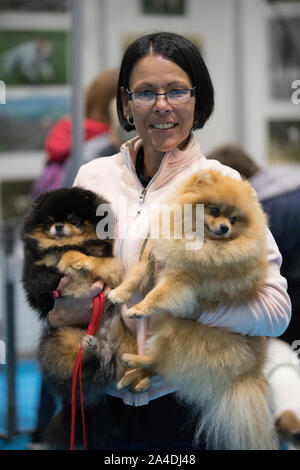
x=59, y=234
x=219, y=373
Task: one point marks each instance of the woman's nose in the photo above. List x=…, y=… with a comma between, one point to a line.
x=162, y=104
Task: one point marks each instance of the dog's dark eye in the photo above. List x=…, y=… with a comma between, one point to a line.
x=215, y=211
x=74, y=220
x=233, y=220
x=47, y=224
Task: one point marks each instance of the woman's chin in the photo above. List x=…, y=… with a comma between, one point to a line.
x=169, y=143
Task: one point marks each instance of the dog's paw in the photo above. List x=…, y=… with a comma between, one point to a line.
x=142, y=385
x=130, y=360
x=74, y=261
x=83, y=265
x=128, y=379
x=135, y=380
x=135, y=312
x=90, y=344
x=115, y=297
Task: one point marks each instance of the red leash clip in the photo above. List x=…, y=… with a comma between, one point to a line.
x=98, y=308
x=56, y=294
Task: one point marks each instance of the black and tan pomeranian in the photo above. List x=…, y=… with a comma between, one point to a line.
x=219, y=373
x=59, y=235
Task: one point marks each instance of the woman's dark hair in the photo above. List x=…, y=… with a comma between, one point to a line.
x=181, y=51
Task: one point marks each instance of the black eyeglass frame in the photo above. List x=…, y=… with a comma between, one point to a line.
x=191, y=90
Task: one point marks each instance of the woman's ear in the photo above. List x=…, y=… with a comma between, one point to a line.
x=124, y=101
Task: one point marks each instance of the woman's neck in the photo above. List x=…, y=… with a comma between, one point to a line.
x=153, y=159
x=152, y=163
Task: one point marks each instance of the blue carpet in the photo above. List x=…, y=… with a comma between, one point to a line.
x=28, y=383
x=16, y=443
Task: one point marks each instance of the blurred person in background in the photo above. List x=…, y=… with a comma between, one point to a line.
x=100, y=136
x=278, y=189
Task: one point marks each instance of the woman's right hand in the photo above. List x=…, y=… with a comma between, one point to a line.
x=68, y=311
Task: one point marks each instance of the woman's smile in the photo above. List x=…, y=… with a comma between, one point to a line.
x=164, y=126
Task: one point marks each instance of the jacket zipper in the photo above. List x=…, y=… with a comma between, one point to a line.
x=142, y=195
x=141, y=200
x=140, y=207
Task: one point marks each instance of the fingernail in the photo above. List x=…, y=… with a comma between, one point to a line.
x=98, y=285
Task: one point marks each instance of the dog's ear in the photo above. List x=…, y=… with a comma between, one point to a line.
x=84, y=193
x=30, y=217
x=88, y=196
x=204, y=177
x=40, y=199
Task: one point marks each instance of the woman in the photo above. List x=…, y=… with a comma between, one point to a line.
x=164, y=92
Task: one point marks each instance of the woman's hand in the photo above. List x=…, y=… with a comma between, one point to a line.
x=68, y=311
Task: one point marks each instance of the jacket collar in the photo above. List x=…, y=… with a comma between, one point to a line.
x=172, y=160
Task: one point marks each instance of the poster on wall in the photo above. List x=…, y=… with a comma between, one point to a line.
x=284, y=49
x=284, y=142
x=34, y=5
x=26, y=119
x=163, y=7
x=33, y=57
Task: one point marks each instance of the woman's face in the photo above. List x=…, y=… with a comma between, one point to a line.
x=157, y=73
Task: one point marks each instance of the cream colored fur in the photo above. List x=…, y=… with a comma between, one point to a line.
x=217, y=372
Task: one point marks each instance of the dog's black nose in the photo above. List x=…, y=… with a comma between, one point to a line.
x=59, y=227
x=223, y=228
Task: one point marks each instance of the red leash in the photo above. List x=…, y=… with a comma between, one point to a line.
x=98, y=308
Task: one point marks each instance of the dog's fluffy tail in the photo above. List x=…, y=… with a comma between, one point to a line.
x=240, y=418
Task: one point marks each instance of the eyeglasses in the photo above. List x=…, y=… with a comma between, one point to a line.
x=148, y=98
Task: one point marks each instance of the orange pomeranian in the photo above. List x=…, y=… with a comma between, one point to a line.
x=217, y=372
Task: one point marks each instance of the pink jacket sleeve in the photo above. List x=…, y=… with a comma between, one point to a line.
x=269, y=315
